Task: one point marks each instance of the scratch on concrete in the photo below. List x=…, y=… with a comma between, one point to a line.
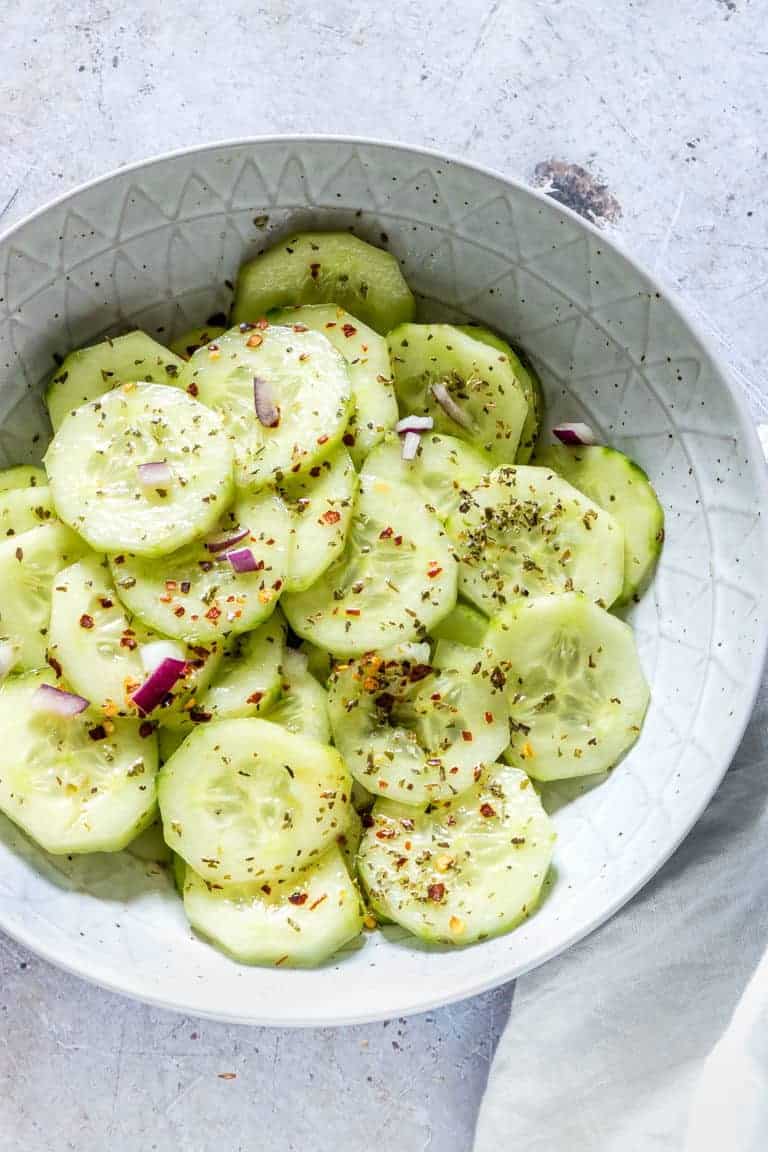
x=10, y=202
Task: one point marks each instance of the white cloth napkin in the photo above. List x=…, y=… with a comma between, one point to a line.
x=652, y=1035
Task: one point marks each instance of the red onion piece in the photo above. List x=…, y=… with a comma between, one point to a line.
x=9, y=654
x=266, y=409
x=410, y=445
x=155, y=688
x=226, y=540
x=155, y=475
x=574, y=434
x=57, y=702
x=415, y=424
x=450, y=407
x=242, y=560
x=153, y=654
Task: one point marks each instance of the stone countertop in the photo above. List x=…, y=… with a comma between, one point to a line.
x=646, y=116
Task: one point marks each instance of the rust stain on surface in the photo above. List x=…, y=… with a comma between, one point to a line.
x=578, y=189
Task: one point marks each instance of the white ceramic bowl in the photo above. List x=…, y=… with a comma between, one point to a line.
x=154, y=246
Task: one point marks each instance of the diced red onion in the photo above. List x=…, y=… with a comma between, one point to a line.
x=574, y=434
x=57, y=702
x=153, y=654
x=266, y=409
x=450, y=407
x=414, y=424
x=155, y=688
x=410, y=445
x=9, y=654
x=155, y=475
x=242, y=560
x=226, y=540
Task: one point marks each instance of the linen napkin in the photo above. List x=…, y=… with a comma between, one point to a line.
x=652, y=1034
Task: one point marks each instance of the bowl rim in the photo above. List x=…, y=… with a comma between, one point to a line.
x=748, y=434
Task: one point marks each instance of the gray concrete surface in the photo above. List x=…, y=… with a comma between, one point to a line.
x=661, y=106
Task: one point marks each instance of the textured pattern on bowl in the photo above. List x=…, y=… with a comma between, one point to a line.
x=154, y=246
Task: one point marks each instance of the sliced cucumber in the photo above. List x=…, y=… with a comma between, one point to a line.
x=244, y=800
x=349, y=840
x=303, y=705
x=491, y=409
x=298, y=374
x=573, y=683
x=465, y=625
x=443, y=467
x=526, y=378
x=621, y=487
x=98, y=645
x=248, y=679
x=465, y=869
x=75, y=784
x=196, y=594
x=149, y=845
x=296, y=924
x=525, y=532
x=187, y=344
x=22, y=476
x=28, y=566
x=413, y=734
x=24, y=508
x=93, y=464
x=90, y=372
x=320, y=505
x=319, y=662
x=168, y=740
x=395, y=579
x=325, y=268
x=370, y=374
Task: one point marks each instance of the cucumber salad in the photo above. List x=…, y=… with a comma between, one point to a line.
x=306, y=605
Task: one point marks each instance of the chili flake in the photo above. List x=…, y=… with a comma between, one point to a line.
x=487, y=810
x=86, y=621
x=331, y=516
x=255, y=340
x=436, y=892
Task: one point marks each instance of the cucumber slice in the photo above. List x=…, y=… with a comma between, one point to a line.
x=483, y=386
x=303, y=706
x=24, y=508
x=296, y=924
x=573, y=683
x=93, y=464
x=149, y=845
x=349, y=840
x=300, y=373
x=320, y=505
x=98, y=645
x=464, y=625
x=319, y=662
x=442, y=468
x=413, y=734
x=243, y=800
x=621, y=487
x=249, y=677
x=168, y=740
x=90, y=372
x=395, y=579
x=187, y=344
x=22, y=476
x=526, y=378
x=370, y=373
x=74, y=784
x=28, y=566
x=465, y=869
x=525, y=532
x=325, y=268
x=195, y=594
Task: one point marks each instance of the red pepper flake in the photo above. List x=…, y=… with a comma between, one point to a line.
x=185, y=586
x=106, y=602
x=419, y=672
x=146, y=729
x=298, y=898
x=255, y=698
x=128, y=642
x=314, y=271
x=386, y=834
x=179, y=610
x=348, y=330
x=487, y=810
x=53, y=662
x=488, y=717
x=330, y=324
x=193, y=389
x=385, y=534
x=433, y=571
x=319, y=900
x=98, y=733
x=331, y=516
x=352, y=611
x=255, y=340
x=266, y=889
x=262, y=323
x=315, y=472
x=19, y=554
x=398, y=540
x=300, y=328
x=348, y=439
x=213, y=613
x=323, y=439
x=171, y=585
x=436, y=696
x=467, y=736
x=86, y=621
x=436, y=892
